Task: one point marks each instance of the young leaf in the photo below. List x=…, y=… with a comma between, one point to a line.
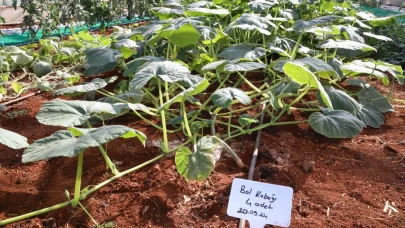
x=223, y=97
x=336, y=123
x=12, y=140
x=245, y=120
x=183, y=36
x=65, y=144
x=302, y=75
x=200, y=164
x=17, y=87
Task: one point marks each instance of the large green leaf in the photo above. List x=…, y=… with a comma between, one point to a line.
x=206, y=32
x=301, y=25
x=247, y=51
x=370, y=97
x=302, y=75
x=251, y=22
x=223, y=97
x=243, y=66
x=163, y=70
x=198, y=165
x=183, y=36
x=193, y=90
x=315, y=65
x=95, y=84
x=215, y=65
x=382, y=21
x=260, y=6
x=369, y=116
x=206, y=12
x=137, y=63
x=73, y=113
x=345, y=44
x=336, y=123
x=342, y=101
x=165, y=12
x=378, y=37
x=128, y=43
x=350, y=34
x=359, y=67
x=65, y=144
x=100, y=60
x=12, y=140
x=132, y=96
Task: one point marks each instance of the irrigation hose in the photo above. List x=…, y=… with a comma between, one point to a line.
x=242, y=222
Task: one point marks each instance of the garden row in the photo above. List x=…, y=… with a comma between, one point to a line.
x=207, y=70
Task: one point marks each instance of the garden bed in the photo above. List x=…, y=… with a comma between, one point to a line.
x=353, y=178
x=148, y=126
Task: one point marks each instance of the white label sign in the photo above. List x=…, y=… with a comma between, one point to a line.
x=260, y=203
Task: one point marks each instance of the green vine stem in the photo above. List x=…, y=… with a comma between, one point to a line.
x=107, y=159
x=163, y=119
x=78, y=182
x=83, y=194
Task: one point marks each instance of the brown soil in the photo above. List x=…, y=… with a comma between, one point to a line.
x=352, y=179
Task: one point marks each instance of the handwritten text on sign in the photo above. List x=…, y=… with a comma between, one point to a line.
x=260, y=203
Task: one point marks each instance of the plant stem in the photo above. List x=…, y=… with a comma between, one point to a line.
x=163, y=119
x=183, y=107
x=84, y=194
x=35, y=213
x=297, y=45
x=78, y=181
x=104, y=183
x=107, y=159
x=88, y=214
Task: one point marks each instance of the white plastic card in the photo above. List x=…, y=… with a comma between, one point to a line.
x=260, y=203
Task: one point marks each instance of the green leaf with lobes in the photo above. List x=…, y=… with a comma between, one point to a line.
x=12, y=140
x=100, y=60
x=223, y=97
x=73, y=113
x=163, y=70
x=239, y=51
x=336, y=123
x=95, y=84
x=65, y=144
x=301, y=25
x=183, y=36
x=200, y=164
x=342, y=101
x=302, y=75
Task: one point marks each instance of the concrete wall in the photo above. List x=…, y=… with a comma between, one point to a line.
x=11, y=15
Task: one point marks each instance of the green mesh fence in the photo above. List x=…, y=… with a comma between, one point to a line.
x=21, y=39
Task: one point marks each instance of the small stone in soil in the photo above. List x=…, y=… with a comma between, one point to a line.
x=308, y=166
